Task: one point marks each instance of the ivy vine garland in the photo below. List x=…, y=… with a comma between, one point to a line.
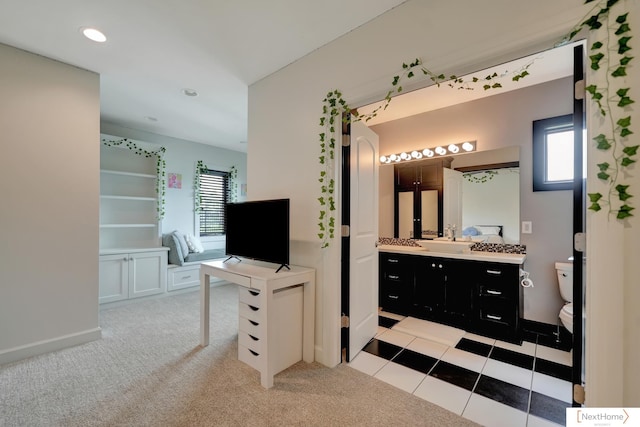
x=336, y=110
x=201, y=167
x=160, y=167
x=609, y=57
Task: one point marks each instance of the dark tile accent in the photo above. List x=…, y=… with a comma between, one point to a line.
x=552, y=341
x=546, y=334
x=548, y=408
x=455, y=375
x=503, y=392
x=386, y=322
x=475, y=347
x=382, y=349
x=416, y=361
x=553, y=369
x=512, y=357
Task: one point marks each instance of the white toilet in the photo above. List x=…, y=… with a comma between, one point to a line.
x=565, y=282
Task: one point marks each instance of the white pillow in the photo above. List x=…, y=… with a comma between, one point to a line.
x=487, y=230
x=183, y=242
x=194, y=243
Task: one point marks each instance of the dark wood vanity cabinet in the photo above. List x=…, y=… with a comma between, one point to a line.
x=497, y=307
x=395, y=282
x=480, y=297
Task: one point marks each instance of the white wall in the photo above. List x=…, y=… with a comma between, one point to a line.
x=284, y=111
x=181, y=157
x=49, y=116
x=500, y=122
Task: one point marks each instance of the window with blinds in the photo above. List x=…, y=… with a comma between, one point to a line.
x=214, y=194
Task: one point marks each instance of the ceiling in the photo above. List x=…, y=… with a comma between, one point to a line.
x=156, y=49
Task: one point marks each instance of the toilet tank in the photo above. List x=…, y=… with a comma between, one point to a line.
x=564, y=271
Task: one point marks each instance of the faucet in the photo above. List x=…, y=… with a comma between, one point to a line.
x=450, y=232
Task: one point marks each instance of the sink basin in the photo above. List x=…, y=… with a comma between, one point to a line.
x=447, y=246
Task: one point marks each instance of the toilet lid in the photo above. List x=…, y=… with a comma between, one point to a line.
x=568, y=309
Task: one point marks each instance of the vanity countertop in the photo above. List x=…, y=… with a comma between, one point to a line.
x=506, y=258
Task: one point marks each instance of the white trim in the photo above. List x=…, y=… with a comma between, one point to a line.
x=46, y=346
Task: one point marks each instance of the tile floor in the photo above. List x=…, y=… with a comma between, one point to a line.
x=491, y=382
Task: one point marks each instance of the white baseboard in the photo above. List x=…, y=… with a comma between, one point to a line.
x=47, y=346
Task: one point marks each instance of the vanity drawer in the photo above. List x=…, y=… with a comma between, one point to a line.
x=490, y=311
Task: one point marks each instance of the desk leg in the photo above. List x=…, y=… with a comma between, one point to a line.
x=204, y=308
x=308, y=321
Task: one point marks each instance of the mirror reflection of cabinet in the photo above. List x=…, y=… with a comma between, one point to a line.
x=418, y=199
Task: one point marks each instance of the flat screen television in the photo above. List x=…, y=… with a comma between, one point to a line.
x=258, y=230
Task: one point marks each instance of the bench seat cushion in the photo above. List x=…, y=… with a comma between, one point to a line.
x=204, y=256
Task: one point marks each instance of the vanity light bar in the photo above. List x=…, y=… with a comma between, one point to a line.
x=463, y=147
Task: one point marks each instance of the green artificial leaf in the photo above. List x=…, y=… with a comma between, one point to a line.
x=625, y=212
x=595, y=60
x=622, y=92
x=623, y=29
x=626, y=161
x=596, y=45
x=624, y=122
x=404, y=65
x=619, y=72
x=410, y=74
x=601, y=142
x=625, y=132
x=622, y=18
x=625, y=60
x=593, y=22
x=603, y=176
x=322, y=201
x=486, y=87
x=594, y=197
x=631, y=151
x=622, y=45
x=395, y=81
x=595, y=207
x=624, y=101
x=603, y=166
x=592, y=89
x=496, y=85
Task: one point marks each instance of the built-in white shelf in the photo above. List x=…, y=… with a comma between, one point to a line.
x=113, y=197
x=132, y=174
x=127, y=225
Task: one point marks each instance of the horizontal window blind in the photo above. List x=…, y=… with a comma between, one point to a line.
x=214, y=194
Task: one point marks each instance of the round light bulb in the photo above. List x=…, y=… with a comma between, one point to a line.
x=393, y=157
x=467, y=146
x=427, y=152
x=95, y=35
x=415, y=154
x=441, y=151
x=453, y=148
x=404, y=156
x=383, y=159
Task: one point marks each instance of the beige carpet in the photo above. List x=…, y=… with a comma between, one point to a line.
x=148, y=370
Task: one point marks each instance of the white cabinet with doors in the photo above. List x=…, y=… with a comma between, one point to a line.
x=133, y=262
x=138, y=273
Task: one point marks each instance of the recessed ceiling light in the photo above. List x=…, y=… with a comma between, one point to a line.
x=93, y=34
x=189, y=92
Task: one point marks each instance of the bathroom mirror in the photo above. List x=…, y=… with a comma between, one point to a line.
x=490, y=196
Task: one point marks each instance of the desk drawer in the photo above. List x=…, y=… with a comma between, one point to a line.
x=251, y=327
x=251, y=342
x=250, y=357
x=249, y=312
x=249, y=296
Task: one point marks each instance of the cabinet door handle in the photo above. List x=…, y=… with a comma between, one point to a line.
x=498, y=272
x=254, y=323
x=253, y=352
x=492, y=317
x=254, y=293
x=394, y=277
x=492, y=292
x=394, y=296
x=185, y=277
x=254, y=308
x=125, y=259
x=254, y=338
x=393, y=260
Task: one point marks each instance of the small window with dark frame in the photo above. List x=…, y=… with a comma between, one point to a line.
x=214, y=194
x=553, y=153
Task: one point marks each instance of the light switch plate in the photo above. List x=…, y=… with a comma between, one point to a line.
x=526, y=227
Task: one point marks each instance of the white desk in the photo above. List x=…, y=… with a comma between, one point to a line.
x=272, y=306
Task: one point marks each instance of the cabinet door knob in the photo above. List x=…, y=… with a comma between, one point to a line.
x=124, y=259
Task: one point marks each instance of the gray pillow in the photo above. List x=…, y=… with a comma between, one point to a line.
x=175, y=251
x=183, y=243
